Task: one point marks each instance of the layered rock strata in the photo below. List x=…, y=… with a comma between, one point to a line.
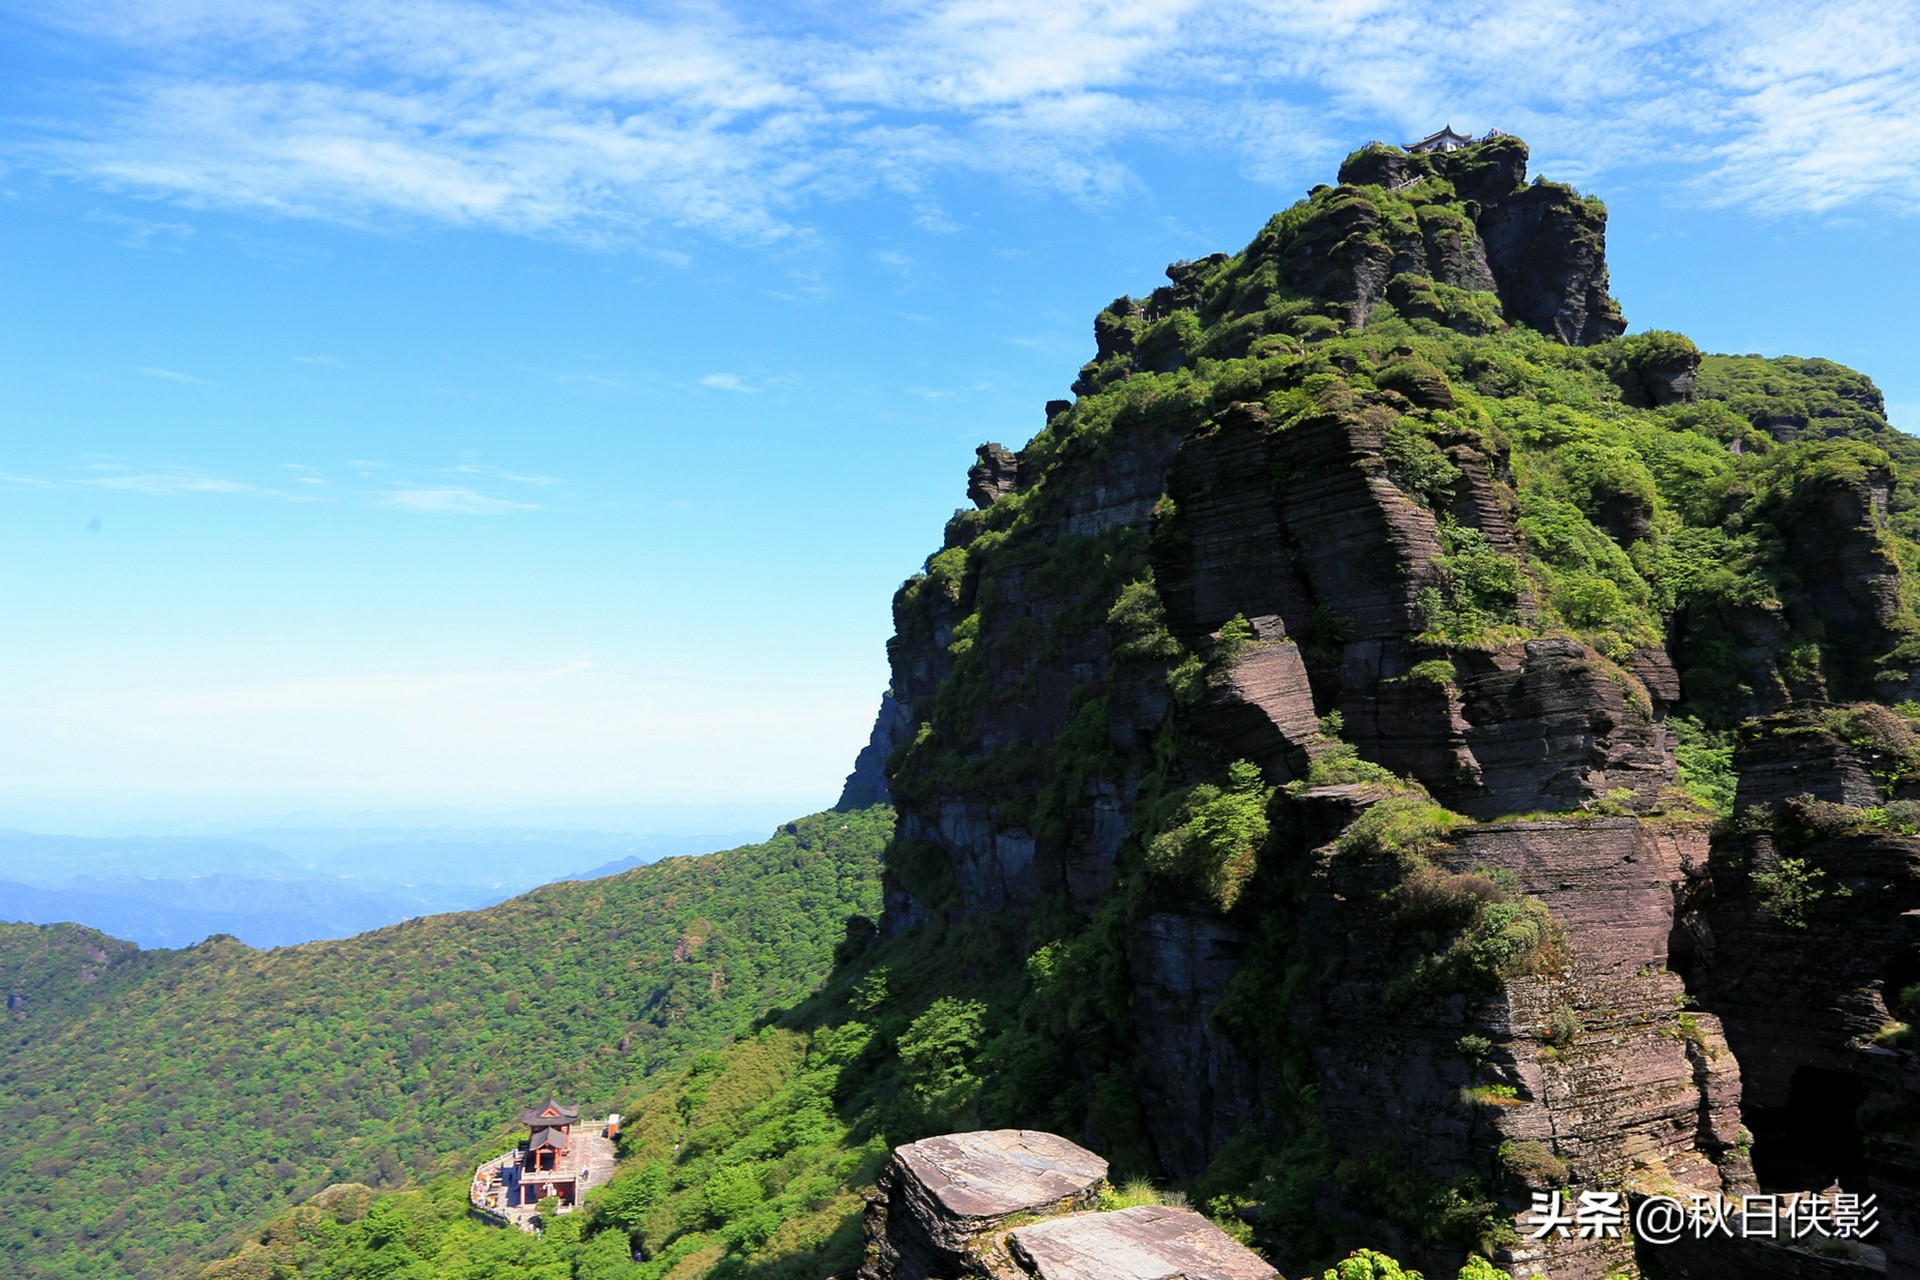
x=1323, y=576
x=940, y=1202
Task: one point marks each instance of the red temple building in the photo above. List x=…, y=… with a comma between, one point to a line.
x=557, y=1158
x=546, y=1166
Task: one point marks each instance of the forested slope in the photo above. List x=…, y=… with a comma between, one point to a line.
x=157, y=1101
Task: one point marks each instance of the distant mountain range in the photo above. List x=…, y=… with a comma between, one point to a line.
x=258, y=910
x=298, y=886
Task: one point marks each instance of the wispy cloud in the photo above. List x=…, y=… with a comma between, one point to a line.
x=31, y=484
x=728, y=382
x=501, y=473
x=158, y=481
x=449, y=500
x=144, y=233
x=423, y=492
x=173, y=375
x=330, y=361
x=592, y=121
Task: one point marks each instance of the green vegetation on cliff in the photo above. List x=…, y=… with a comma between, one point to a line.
x=160, y=1101
x=1090, y=820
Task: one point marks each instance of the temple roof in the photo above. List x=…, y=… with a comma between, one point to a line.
x=548, y=1137
x=549, y=1114
x=1445, y=140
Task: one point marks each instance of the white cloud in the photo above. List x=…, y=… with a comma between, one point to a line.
x=501, y=473
x=445, y=500
x=728, y=382
x=421, y=496
x=8, y=480
x=591, y=121
x=170, y=375
x=330, y=361
x=161, y=481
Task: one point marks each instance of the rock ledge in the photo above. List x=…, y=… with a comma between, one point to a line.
x=1149, y=1242
x=1015, y=1204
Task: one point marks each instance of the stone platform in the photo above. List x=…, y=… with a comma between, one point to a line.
x=1149, y=1242
x=1018, y=1204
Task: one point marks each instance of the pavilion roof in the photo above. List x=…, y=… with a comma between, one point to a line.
x=549, y=1114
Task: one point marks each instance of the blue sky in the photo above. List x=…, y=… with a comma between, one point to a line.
x=507, y=408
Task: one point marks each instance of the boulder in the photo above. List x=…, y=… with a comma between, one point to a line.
x=1149, y=1242
x=939, y=1199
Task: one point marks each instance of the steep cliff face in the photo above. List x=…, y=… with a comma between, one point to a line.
x=1807, y=943
x=1305, y=687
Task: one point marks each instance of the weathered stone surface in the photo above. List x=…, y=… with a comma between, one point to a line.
x=1297, y=530
x=1653, y=668
x=1364, y=548
x=1610, y=1075
x=1344, y=256
x=1554, y=725
x=1148, y=1242
x=993, y=1173
x=938, y=1198
x=1260, y=706
x=1811, y=994
x=867, y=784
x=1234, y=556
x=1547, y=249
x=1197, y=1086
x=1801, y=938
x=1794, y=754
x=1846, y=568
x=1541, y=248
x=1455, y=255
x=1757, y=1258
x=1757, y=635
x=995, y=475
x=1670, y=379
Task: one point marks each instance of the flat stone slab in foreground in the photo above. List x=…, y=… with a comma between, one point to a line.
x=1144, y=1243
x=997, y=1172
x=940, y=1200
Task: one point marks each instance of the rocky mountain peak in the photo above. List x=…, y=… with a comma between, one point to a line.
x=1344, y=686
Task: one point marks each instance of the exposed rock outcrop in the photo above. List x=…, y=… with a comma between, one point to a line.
x=1541, y=248
x=1017, y=1205
x=941, y=1203
x=867, y=784
x=1805, y=940
x=1147, y=1242
x=995, y=475
x=1311, y=674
